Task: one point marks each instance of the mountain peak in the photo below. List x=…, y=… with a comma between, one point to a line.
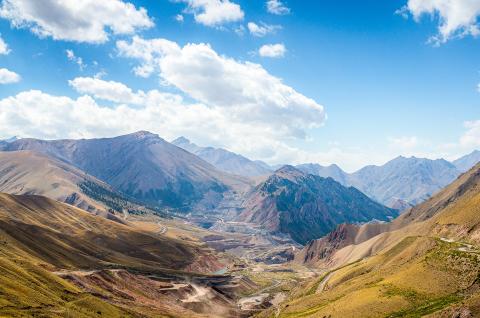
x=143, y=133
x=288, y=169
x=181, y=140
x=11, y=139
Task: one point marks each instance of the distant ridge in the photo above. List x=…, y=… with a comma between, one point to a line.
x=401, y=182
x=225, y=160
x=468, y=161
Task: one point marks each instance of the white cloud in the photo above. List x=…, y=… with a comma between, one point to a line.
x=214, y=12
x=457, y=18
x=82, y=21
x=107, y=90
x=75, y=59
x=8, y=77
x=4, y=50
x=262, y=29
x=246, y=89
x=179, y=18
x=471, y=138
x=277, y=7
x=37, y=114
x=148, y=51
x=272, y=50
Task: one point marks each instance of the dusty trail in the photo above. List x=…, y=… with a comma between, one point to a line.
x=323, y=283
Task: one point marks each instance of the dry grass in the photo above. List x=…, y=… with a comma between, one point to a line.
x=418, y=276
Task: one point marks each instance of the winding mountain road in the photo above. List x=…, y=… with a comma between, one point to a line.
x=163, y=229
x=323, y=283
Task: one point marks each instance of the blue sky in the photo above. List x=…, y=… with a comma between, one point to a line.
x=390, y=81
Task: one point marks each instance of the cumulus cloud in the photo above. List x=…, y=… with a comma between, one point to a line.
x=37, y=114
x=277, y=7
x=34, y=113
x=82, y=21
x=4, y=50
x=272, y=50
x=107, y=90
x=75, y=59
x=8, y=77
x=457, y=18
x=214, y=12
x=262, y=29
x=245, y=88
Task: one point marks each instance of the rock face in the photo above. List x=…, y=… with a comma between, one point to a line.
x=405, y=181
x=141, y=165
x=306, y=206
x=225, y=160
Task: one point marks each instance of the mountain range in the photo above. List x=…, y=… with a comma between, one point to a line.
x=401, y=182
x=141, y=165
x=225, y=160
x=307, y=206
x=91, y=228
x=125, y=173
x=141, y=172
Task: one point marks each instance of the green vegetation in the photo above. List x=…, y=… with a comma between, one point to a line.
x=116, y=201
x=27, y=290
x=428, y=307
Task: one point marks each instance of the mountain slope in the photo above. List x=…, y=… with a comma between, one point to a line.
x=41, y=239
x=425, y=263
x=65, y=236
x=411, y=179
x=225, y=160
x=27, y=172
x=28, y=290
x=468, y=161
x=141, y=165
x=306, y=206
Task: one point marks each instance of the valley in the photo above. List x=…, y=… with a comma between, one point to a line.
x=286, y=244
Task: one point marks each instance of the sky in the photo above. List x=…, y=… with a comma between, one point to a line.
x=345, y=82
